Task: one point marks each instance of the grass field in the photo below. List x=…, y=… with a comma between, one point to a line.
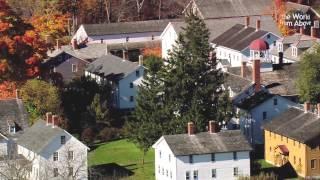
x=122, y=157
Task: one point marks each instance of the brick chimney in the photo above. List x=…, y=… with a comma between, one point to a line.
x=55, y=121
x=307, y=107
x=318, y=109
x=313, y=32
x=258, y=25
x=140, y=60
x=191, y=128
x=247, y=22
x=213, y=127
x=256, y=75
x=243, y=69
x=49, y=118
x=75, y=44
x=57, y=44
x=302, y=30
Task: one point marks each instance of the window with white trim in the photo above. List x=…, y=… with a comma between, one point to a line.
x=235, y=171
x=195, y=175
x=70, y=155
x=55, y=172
x=213, y=173
x=74, y=68
x=55, y=156
x=188, y=175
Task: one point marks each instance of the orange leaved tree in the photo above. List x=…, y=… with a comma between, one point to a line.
x=21, y=48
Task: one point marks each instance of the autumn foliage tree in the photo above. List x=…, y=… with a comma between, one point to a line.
x=52, y=25
x=280, y=14
x=21, y=48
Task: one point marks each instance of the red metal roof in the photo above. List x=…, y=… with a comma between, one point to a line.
x=284, y=150
x=259, y=45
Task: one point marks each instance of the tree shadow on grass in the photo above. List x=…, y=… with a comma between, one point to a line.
x=284, y=172
x=111, y=170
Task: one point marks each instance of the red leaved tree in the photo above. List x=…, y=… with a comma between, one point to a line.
x=21, y=49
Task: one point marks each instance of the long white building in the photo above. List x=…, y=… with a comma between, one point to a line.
x=207, y=155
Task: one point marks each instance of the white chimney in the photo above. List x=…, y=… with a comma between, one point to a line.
x=140, y=60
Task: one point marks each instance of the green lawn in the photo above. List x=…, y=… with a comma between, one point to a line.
x=264, y=164
x=126, y=156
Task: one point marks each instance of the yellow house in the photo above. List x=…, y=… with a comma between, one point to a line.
x=294, y=137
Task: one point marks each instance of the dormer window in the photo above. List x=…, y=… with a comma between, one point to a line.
x=280, y=47
x=294, y=51
x=12, y=129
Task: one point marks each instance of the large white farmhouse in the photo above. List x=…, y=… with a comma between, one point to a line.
x=207, y=155
x=123, y=75
x=53, y=153
x=216, y=28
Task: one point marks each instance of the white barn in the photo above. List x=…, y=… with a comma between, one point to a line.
x=207, y=155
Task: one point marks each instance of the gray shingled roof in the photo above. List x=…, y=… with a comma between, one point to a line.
x=280, y=81
x=38, y=136
x=110, y=65
x=296, y=6
x=88, y=52
x=296, y=124
x=255, y=100
x=233, y=8
x=236, y=82
x=206, y=143
x=238, y=37
x=12, y=111
x=219, y=26
x=126, y=27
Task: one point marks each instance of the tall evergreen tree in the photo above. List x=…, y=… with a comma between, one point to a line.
x=149, y=119
x=192, y=82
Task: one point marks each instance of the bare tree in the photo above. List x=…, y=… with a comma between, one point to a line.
x=71, y=164
x=14, y=166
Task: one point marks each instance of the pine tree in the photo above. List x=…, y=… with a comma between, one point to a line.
x=192, y=82
x=149, y=119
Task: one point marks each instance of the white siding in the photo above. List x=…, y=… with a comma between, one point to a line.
x=234, y=57
x=168, y=39
x=164, y=163
x=224, y=164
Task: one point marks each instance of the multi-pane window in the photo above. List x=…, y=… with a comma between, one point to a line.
x=190, y=159
x=275, y=102
x=55, y=172
x=160, y=154
x=138, y=73
x=195, y=175
x=313, y=163
x=235, y=156
x=167, y=173
x=70, y=155
x=131, y=85
x=171, y=174
x=188, y=175
x=162, y=171
x=213, y=157
x=70, y=171
x=235, y=171
x=264, y=115
x=55, y=156
x=63, y=139
x=169, y=158
x=159, y=169
x=131, y=99
x=74, y=68
x=213, y=173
